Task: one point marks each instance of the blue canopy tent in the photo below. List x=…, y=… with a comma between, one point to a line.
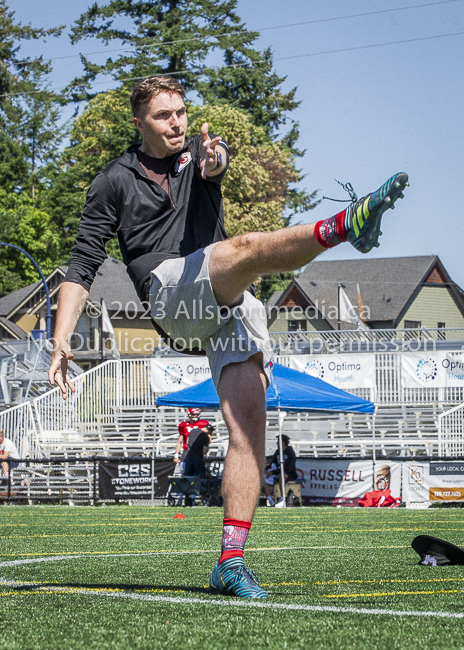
x=290, y=390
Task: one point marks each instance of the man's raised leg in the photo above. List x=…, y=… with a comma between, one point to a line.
x=235, y=263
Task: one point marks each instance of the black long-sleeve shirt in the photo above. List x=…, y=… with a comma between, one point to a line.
x=151, y=226
x=289, y=463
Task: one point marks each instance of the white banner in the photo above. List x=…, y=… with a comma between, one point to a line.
x=454, y=368
x=432, y=369
x=343, y=482
x=433, y=481
x=175, y=373
x=340, y=370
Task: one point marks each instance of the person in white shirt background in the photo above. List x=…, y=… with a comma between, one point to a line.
x=7, y=450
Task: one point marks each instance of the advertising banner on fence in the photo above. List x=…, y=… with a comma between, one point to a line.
x=340, y=370
x=132, y=479
x=171, y=374
x=454, y=368
x=349, y=483
x=432, y=369
x=433, y=481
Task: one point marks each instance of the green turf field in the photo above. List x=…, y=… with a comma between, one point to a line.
x=133, y=577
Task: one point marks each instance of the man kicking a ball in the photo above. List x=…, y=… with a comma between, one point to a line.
x=163, y=199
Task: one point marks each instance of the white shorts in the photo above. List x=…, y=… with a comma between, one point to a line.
x=183, y=305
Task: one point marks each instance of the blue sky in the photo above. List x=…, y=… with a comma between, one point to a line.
x=365, y=113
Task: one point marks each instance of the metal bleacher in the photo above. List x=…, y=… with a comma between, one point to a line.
x=113, y=413
x=398, y=431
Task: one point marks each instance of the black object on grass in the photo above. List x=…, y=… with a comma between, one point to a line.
x=437, y=552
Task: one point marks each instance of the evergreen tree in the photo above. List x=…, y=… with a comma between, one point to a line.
x=28, y=141
x=179, y=37
x=28, y=112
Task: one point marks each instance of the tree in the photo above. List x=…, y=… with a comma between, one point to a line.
x=22, y=223
x=257, y=188
x=178, y=37
x=101, y=133
x=28, y=111
x=28, y=142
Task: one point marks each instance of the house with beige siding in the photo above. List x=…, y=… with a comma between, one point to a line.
x=388, y=293
x=23, y=312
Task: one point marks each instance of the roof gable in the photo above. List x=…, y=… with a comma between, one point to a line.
x=295, y=298
x=387, y=285
x=9, y=329
x=10, y=302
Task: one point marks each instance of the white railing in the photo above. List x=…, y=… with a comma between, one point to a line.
x=18, y=425
x=374, y=340
x=136, y=389
x=110, y=397
x=97, y=394
x=451, y=432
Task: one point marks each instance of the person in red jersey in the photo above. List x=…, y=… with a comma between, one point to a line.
x=193, y=422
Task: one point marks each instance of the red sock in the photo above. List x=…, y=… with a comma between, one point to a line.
x=234, y=535
x=331, y=232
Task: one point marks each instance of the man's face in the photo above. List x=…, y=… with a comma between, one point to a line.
x=2, y=438
x=193, y=417
x=164, y=125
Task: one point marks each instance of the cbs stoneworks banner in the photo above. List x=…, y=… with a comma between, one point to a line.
x=433, y=481
x=340, y=370
x=432, y=369
x=345, y=483
x=132, y=479
x=171, y=374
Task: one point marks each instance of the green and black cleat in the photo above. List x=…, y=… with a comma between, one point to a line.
x=363, y=217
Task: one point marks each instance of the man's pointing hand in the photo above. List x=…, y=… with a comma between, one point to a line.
x=209, y=154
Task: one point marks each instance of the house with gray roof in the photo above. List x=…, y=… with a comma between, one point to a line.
x=22, y=314
x=388, y=293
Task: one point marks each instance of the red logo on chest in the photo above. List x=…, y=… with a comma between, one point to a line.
x=183, y=161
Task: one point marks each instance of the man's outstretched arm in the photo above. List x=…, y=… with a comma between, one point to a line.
x=71, y=302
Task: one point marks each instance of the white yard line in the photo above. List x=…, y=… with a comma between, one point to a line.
x=178, y=600
x=53, y=558
x=199, y=601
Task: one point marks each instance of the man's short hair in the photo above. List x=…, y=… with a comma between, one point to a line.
x=142, y=94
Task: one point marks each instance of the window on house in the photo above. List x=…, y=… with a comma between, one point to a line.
x=441, y=335
x=412, y=325
x=297, y=325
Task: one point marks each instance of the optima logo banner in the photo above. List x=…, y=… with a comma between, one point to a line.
x=340, y=370
x=432, y=369
x=171, y=374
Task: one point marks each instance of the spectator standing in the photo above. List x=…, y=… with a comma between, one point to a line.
x=272, y=474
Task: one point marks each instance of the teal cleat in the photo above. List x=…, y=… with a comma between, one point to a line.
x=363, y=217
x=233, y=578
